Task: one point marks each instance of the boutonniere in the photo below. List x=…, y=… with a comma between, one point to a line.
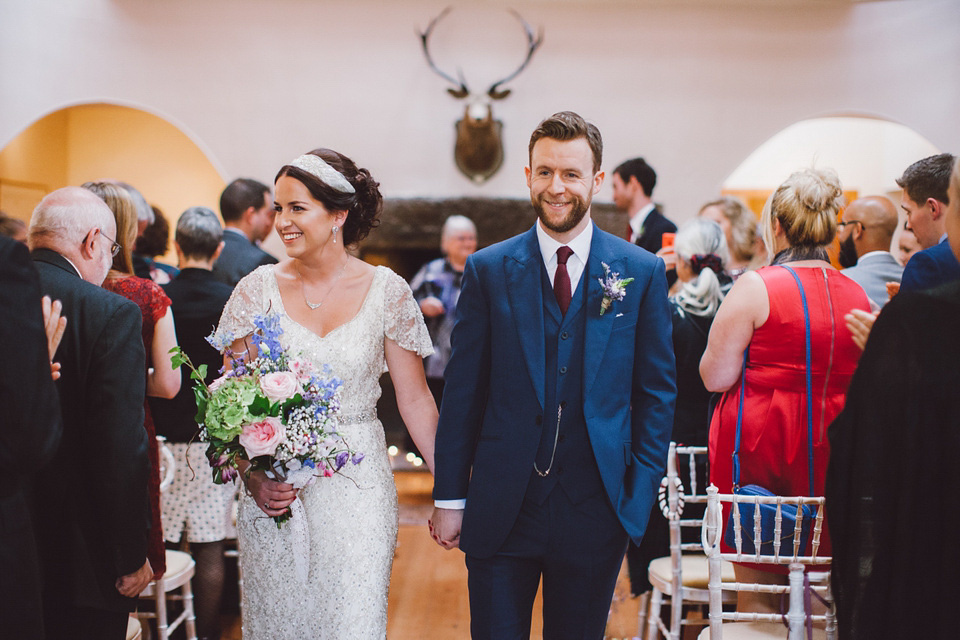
x=614, y=288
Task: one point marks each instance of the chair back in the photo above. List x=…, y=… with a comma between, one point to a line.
x=712, y=533
x=168, y=465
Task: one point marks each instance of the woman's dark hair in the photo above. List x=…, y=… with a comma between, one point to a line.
x=363, y=207
x=155, y=239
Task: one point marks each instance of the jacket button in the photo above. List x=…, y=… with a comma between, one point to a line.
x=564, y=335
x=539, y=420
x=563, y=369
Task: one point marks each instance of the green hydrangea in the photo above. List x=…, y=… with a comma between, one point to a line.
x=228, y=408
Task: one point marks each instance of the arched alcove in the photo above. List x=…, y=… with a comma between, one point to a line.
x=99, y=141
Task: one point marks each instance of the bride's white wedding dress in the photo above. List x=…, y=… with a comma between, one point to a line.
x=325, y=574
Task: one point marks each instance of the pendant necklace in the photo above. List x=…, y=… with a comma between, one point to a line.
x=303, y=290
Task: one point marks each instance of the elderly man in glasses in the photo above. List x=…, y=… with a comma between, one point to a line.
x=90, y=502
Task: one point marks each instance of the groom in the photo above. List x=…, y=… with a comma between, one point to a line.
x=556, y=417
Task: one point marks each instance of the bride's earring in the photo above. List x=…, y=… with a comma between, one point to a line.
x=335, y=229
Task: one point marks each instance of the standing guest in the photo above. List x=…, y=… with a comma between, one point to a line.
x=248, y=213
x=436, y=288
x=13, y=228
x=30, y=435
x=633, y=183
x=907, y=245
x=763, y=313
x=892, y=479
x=557, y=407
x=152, y=244
x=925, y=200
x=158, y=336
x=739, y=225
x=865, y=237
x=90, y=513
x=701, y=254
x=194, y=508
x=145, y=218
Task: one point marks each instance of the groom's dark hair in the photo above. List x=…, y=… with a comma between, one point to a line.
x=567, y=125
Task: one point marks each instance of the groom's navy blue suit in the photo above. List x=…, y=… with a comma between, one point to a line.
x=516, y=362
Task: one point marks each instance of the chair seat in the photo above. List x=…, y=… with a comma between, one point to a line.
x=694, y=572
x=757, y=631
x=134, y=632
x=180, y=568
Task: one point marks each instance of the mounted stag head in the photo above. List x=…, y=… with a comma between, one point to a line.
x=479, y=148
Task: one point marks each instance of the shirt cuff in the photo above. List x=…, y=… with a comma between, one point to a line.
x=450, y=504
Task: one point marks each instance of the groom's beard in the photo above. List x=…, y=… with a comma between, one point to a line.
x=848, y=253
x=578, y=209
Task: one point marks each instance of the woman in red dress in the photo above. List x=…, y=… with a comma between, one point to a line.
x=158, y=335
x=763, y=312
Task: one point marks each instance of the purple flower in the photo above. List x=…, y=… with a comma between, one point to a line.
x=342, y=458
x=358, y=458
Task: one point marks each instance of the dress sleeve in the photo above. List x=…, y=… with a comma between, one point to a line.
x=245, y=303
x=157, y=300
x=402, y=319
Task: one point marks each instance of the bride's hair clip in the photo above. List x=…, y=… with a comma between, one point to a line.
x=317, y=166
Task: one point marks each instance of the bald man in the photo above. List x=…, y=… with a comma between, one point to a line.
x=865, y=236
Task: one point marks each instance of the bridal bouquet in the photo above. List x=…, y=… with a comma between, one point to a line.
x=275, y=411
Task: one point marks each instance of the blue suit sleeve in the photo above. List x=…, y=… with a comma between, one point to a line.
x=921, y=269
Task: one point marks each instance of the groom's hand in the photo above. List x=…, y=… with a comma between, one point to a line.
x=445, y=527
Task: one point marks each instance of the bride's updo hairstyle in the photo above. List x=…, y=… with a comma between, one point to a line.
x=363, y=205
x=807, y=206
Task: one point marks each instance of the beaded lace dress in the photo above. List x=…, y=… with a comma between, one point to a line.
x=325, y=574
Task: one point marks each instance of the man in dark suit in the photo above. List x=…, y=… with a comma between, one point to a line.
x=864, y=238
x=925, y=201
x=633, y=183
x=193, y=505
x=247, y=211
x=90, y=508
x=28, y=439
x=558, y=404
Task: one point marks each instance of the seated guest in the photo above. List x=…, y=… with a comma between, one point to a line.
x=925, y=200
x=90, y=512
x=865, y=236
x=739, y=225
x=763, y=313
x=194, y=508
x=892, y=481
x=152, y=244
x=701, y=253
x=158, y=338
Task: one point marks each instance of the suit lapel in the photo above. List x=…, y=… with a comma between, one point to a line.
x=598, y=327
x=522, y=273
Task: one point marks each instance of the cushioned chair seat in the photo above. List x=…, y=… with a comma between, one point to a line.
x=693, y=572
x=134, y=632
x=756, y=631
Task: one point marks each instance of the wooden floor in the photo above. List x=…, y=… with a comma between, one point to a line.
x=428, y=589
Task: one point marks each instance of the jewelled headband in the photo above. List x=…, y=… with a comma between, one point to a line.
x=316, y=166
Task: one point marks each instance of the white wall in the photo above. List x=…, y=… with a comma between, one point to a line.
x=693, y=86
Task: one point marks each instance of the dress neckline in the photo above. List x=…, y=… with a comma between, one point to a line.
x=363, y=305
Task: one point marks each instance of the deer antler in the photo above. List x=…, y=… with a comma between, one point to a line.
x=533, y=43
x=462, y=91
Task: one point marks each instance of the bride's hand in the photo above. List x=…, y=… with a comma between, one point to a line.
x=271, y=496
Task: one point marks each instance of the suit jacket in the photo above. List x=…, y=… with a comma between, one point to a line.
x=653, y=229
x=930, y=268
x=91, y=512
x=493, y=403
x=28, y=438
x=197, y=301
x=238, y=258
x=873, y=272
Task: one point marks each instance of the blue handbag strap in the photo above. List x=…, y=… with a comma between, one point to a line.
x=743, y=384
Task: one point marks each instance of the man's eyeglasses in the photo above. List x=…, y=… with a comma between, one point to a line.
x=115, y=249
x=842, y=225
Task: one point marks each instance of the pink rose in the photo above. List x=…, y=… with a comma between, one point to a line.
x=261, y=438
x=302, y=369
x=279, y=386
x=213, y=386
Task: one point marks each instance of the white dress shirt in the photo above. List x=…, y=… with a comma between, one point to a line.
x=637, y=220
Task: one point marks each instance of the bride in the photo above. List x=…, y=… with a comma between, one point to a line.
x=325, y=573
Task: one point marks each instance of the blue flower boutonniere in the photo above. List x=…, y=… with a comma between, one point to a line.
x=614, y=289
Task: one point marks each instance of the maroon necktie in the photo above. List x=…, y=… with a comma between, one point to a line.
x=561, y=280
x=629, y=236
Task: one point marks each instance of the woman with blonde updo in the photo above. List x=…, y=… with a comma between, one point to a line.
x=761, y=323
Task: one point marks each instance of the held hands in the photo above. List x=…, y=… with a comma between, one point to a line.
x=54, y=325
x=132, y=584
x=860, y=323
x=445, y=527
x=271, y=496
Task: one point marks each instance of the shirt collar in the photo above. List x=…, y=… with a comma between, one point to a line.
x=580, y=245
x=874, y=253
